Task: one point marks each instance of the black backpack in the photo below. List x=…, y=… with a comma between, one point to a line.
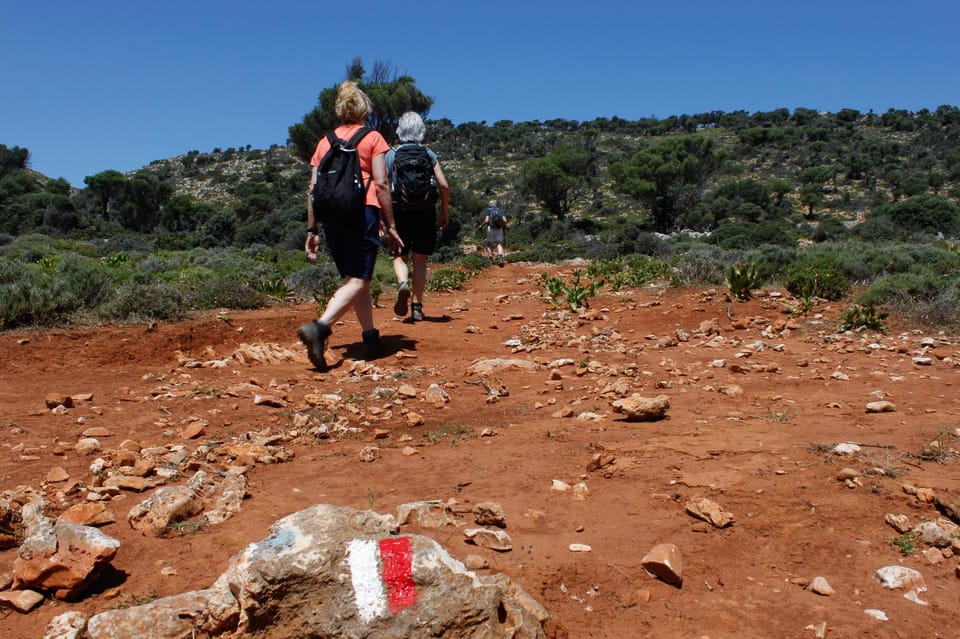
x=497, y=220
x=339, y=194
x=414, y=182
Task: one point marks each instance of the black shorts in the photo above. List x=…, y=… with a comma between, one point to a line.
x=417, y=229
x=354, y=245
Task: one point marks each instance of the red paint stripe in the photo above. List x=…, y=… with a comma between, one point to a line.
x=396, y=555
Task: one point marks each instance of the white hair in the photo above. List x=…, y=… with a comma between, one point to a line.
x=410, y=127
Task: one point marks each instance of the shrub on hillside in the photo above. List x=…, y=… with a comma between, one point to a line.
x=143, y=302
x=820, y=277
x=703, y=264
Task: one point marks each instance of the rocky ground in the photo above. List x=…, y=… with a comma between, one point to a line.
x=789, y=465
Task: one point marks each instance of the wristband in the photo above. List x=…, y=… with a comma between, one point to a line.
x=313, y=230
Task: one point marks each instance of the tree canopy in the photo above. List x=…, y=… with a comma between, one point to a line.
x=391, y=94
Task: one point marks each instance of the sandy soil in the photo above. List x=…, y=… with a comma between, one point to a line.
x=755, y=412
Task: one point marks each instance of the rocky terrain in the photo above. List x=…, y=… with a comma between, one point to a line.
x=663, y=463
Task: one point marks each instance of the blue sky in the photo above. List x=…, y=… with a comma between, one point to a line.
x=110, y=84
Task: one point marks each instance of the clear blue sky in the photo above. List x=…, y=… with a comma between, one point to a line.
x=115, y=84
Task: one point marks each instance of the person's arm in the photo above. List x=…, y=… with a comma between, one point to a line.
x=312, y=245
x=444, y=189
x=382, y=185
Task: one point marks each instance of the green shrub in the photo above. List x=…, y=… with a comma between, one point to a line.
x=628, y=272
x=574, y=293
x=820, y=277
x=447, y=279
x=923, y=296
x=703, y=264
x=153, y=300
x=858, y=318
x=473, y=262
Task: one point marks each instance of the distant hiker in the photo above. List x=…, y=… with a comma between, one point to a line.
x=496, y=223
x=352, y=230
x=416, y=181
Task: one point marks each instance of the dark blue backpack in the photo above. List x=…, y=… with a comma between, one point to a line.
x=339, y=194
x=414, y=182
x=497, y=221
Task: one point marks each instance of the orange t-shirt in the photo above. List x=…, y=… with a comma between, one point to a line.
x=370, y=147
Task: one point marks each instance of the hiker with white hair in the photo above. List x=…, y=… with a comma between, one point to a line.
x=416, y=182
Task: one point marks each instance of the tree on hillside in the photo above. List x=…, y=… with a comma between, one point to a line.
x=106, y=186
x=554, y=179
x=668, y=176
x=390, y=93
x=12, y=159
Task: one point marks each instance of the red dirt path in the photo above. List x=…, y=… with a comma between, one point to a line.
x=763, y=454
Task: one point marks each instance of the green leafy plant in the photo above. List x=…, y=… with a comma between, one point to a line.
x=805, y=305
x=742, y=279
x=576, y=293
x=275, y=288
x=860, y=318
x=820, y=277
x=906, y=543
x=447, y=279
x=187, y=527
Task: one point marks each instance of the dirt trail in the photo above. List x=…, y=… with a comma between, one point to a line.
x=757, y=405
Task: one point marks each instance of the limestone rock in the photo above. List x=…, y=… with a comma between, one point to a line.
x=433, y=514
x=490, y=513
x=820, y=586
x=62, y=557
x=900, y=578
x=881, y=407
x=642, y=409
x=328, y=572
x=68, y=625
x=710, y=512
x=20, y=600
x=665, y=563
x=89, y=513
x=497, y=540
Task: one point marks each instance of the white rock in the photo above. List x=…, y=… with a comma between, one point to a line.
x=876, y=614
x=846, y=448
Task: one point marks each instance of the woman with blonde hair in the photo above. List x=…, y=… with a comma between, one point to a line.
x=353, y=243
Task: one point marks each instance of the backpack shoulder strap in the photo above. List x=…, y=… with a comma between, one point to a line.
x=359, y=135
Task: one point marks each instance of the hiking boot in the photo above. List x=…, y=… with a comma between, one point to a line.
x=403, y=296
x=500, y=260
x=314, y=336
x=372, y=346
x=416, y=312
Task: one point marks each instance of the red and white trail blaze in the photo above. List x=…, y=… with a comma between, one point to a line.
x=381, y=572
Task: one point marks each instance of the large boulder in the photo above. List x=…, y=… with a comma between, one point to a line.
x=328, y=572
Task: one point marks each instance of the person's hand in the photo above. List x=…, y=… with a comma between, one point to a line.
x=312, y=246
x=393, y=241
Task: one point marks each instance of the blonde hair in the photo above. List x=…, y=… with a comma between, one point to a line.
x=353, y=105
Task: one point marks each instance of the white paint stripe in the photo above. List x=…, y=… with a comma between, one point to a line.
x=364, y=560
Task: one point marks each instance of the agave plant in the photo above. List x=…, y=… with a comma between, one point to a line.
x=742, y=279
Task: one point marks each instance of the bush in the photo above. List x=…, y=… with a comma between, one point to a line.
x=820, y=277
x=922, y=296
x=447, y=279
x=703, y=265
x=135, y=302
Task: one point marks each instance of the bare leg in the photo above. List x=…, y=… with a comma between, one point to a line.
x=419, y=276
x=353, y=292
x=400, y=269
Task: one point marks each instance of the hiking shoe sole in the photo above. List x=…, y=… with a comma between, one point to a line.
x=314, y=336
x=403, y=296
